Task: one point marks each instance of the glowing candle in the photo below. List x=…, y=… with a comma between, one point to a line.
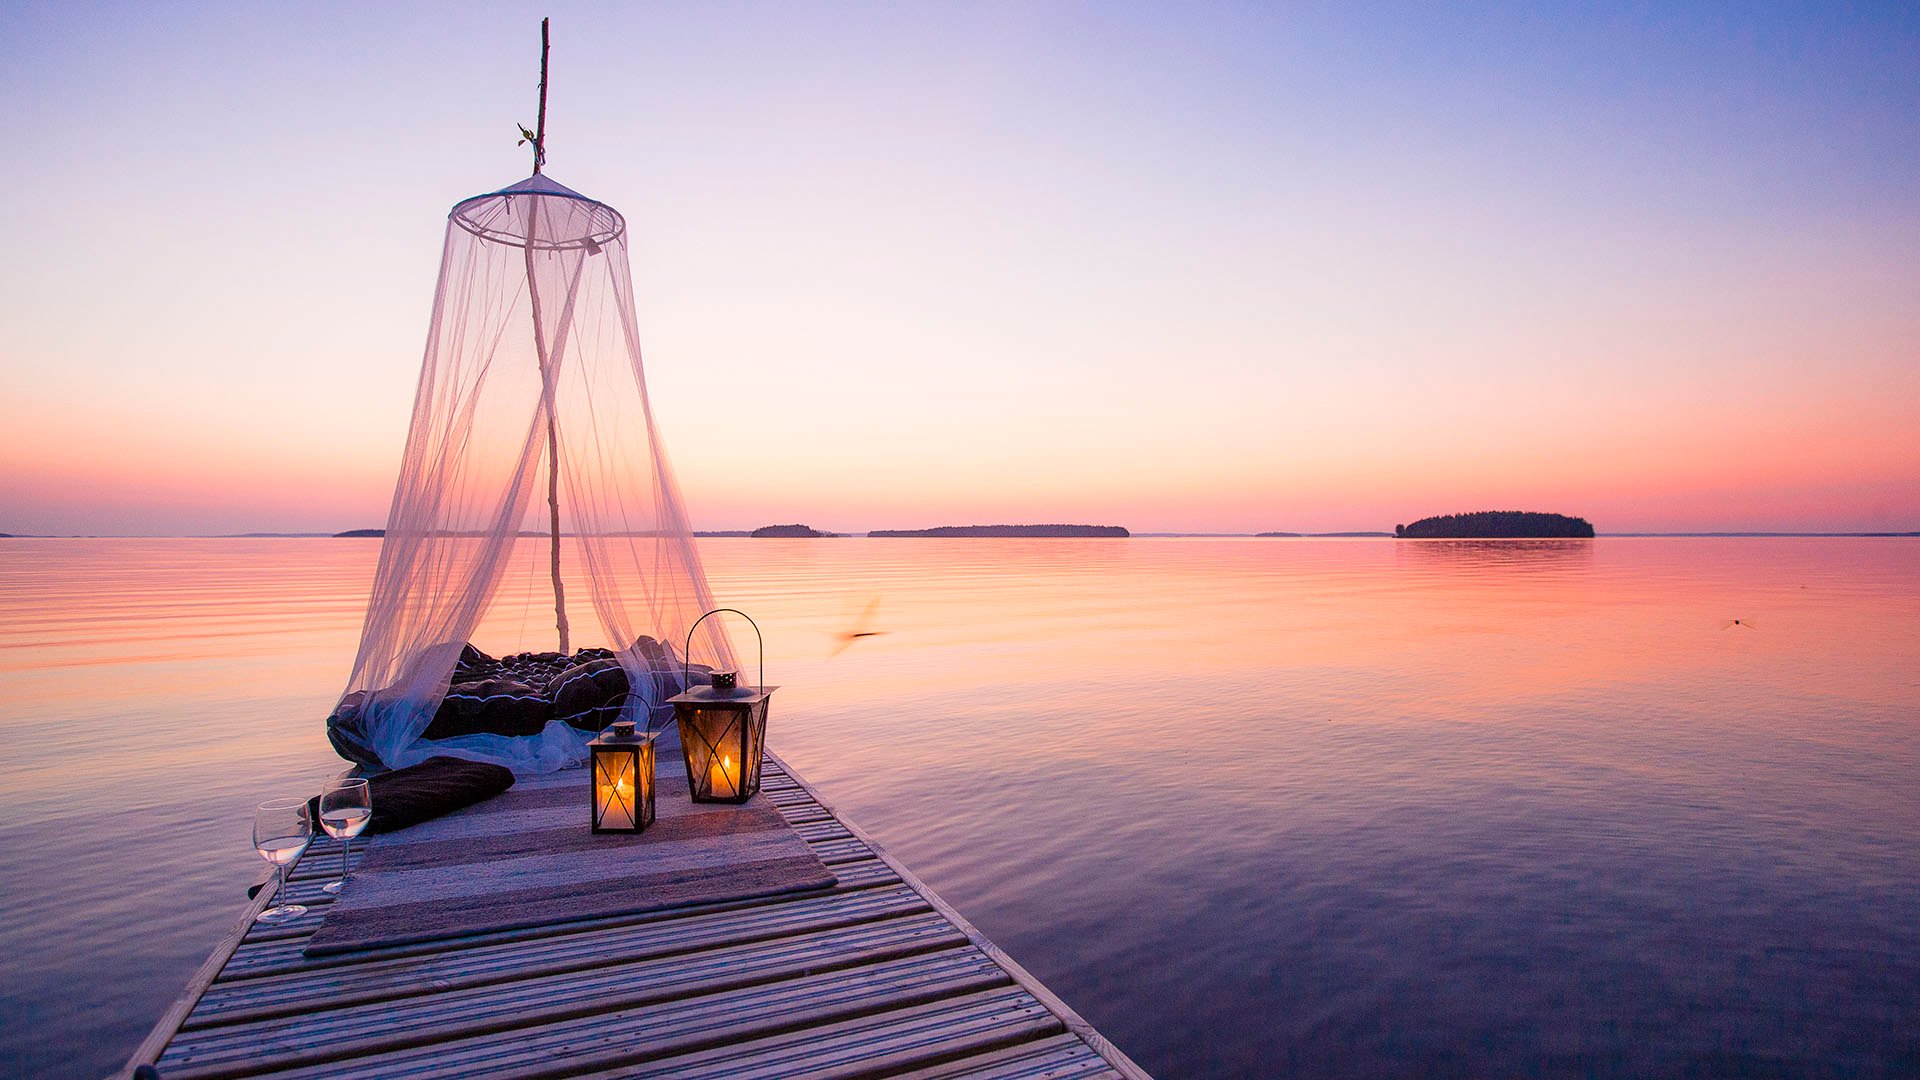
x=622, y=780
x=616, y=803
x=722, y=780
x=723, y=741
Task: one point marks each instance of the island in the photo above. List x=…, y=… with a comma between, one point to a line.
x=788, y=532
x=1103, y=532
x=1497, y=525
x=360, y=534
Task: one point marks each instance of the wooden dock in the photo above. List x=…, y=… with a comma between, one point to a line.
x=876, y=976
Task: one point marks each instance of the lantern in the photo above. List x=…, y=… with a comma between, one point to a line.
x=621, y=764
x=723, y=729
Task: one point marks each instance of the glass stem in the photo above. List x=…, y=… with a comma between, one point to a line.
x=280, y=886
x=346, y=846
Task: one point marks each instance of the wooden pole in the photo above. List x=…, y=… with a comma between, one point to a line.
x=540, y=126
x=553, y=509
x=546, y=374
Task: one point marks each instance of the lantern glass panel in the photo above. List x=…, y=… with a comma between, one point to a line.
x=723, y=741
x=622, y=783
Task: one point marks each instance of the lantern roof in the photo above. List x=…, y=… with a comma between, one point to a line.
x=707, y=695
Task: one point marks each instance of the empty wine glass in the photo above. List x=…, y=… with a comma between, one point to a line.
x=345, y=809
x=281, y=832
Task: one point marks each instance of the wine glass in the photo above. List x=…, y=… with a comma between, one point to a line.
x=281, y=832
x=345, y=809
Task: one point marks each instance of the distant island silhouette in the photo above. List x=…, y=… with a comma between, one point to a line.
x=360, y=534
x=1496, y=525
x=1114, y=532
x=787, y=532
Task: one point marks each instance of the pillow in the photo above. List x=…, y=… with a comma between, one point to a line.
x=490, y=707
x=589, y=696
x=436, y=786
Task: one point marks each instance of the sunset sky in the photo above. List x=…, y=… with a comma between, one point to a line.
x=1176, y=267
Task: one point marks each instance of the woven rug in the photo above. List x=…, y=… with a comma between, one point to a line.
x=526, y=858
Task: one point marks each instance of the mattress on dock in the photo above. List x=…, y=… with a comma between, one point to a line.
x=517, y=696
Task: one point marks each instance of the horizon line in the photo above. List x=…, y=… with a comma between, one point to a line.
x=743, y=534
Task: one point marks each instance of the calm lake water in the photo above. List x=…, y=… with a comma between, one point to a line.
x=1304, y=808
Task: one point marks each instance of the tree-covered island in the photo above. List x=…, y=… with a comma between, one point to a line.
x=1496, y=525
x=788, y=532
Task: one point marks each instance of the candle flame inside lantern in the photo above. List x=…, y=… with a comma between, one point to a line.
x=622, y=786
x=720, y=777
x=618, y=811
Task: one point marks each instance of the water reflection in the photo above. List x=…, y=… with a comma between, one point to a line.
x=1319, y=808
x=1502, y=554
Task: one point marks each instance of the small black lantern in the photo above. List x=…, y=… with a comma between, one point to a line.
x=621, y=764
x=723, y=729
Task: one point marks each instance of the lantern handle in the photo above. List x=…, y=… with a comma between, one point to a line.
x=686, y=655
x=642, y=698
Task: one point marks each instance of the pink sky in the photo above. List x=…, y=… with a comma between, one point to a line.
x=1180, y=270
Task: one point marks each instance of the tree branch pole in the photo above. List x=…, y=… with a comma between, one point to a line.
x=540, y=126
x=553, y=476
x=546, y=369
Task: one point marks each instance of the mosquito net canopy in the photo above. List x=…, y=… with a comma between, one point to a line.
x=531, y=432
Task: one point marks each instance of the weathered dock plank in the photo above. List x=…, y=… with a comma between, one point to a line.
x=876, y=976
x=299, y=990
x=438, y=1016
x=1061, y=1057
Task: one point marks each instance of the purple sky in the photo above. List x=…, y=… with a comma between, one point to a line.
x=1175, y=267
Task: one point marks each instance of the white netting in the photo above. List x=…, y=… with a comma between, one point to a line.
x=532, y=355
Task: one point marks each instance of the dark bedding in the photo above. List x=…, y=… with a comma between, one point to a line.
x=520, y=694
x=436, y=786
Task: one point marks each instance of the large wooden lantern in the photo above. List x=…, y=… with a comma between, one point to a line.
x=621, y=763
x=723, y=729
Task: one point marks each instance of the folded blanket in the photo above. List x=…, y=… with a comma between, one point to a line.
x=436, y=786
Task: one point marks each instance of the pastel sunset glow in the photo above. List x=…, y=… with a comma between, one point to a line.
x=1178, y=268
